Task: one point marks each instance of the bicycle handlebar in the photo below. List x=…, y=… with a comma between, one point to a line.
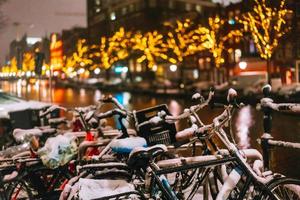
x=193, y=131
x=52, y=109
x=111, y=113
x=113, y=100
x=162, y=116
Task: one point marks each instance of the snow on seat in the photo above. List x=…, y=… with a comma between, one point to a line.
x=126, y=145
x=92, y=189
x=22, y=135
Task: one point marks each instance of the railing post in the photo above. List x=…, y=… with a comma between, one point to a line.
x=267, y=124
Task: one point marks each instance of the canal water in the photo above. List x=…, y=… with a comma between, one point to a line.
x=247, y=122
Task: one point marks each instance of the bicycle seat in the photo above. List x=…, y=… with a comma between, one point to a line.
x=94, y=189
x=102, y=166
x=110, y=170
x=126, y=145
x=140, y=157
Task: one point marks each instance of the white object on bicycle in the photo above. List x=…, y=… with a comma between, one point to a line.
x=230, y=183
x=186, y=133
x=91, y=189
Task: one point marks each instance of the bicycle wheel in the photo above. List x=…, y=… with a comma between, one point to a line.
x=284, y=188
x=48, y=183
x=19, y=190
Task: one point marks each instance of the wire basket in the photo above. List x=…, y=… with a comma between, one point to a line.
x=163, y=133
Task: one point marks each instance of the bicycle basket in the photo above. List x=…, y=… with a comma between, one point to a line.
x=163, y=133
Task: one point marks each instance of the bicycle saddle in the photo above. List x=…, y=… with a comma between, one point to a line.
x=126, y=145
x=140, y=157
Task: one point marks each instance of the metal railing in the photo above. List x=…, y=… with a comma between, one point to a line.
x=268, y=107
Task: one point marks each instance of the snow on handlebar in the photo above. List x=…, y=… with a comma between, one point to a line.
x=112, y=113
x=51, y=109
x=113, y=100
x=267, y=102
x=156, y=120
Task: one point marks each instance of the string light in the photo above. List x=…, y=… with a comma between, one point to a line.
x=266, y=25
x=150, y=46
x=213, y=38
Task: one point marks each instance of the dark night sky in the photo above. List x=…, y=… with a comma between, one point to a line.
x=38, y=18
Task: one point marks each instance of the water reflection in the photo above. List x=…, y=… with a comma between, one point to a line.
x=175, y=108
x=243, y=123
x=97, y=95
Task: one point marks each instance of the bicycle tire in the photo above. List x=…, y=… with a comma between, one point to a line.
x=19, y=190
x=283, y=188
x=43, y=177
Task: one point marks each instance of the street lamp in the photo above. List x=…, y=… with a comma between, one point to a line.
x=242, y=65
x=97, y=71
x=154, y=68
x=173, y=68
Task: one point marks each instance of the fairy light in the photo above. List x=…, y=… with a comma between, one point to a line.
x=266, y=25
x=113, y=49
x=28, y=62
x=214, y=39
x=181, y=41
x=79, y=59
x=150, y=46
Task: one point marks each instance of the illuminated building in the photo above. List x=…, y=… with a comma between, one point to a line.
x=56, y=52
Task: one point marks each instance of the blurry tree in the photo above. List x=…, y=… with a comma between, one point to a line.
x=114, y=48
x=13, y=65
x=215, y=38
x=267, y=24
x=149, y=47
x=28, y=62
x=79, y=59
x=181, y=41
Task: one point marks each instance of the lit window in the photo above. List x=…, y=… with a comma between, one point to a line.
x=131, y=7
x=198, y=8
x=188, y=6
x=152, y=3
x=124, y=10
x=113, y=16
x=231, y=21
x=298, y=49
x=237, y=55
x=97, y=2
x=171, y=4
x=252, y=47
x=98, y=10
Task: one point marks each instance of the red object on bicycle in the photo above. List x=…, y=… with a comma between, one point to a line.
x=89, y=136
x=77, y=125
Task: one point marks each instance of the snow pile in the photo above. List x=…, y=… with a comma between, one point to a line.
x=126, y=145
x=24, y=105
x=25, y=135
x=91, y=189
x=14, y=150
x=58, y=151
